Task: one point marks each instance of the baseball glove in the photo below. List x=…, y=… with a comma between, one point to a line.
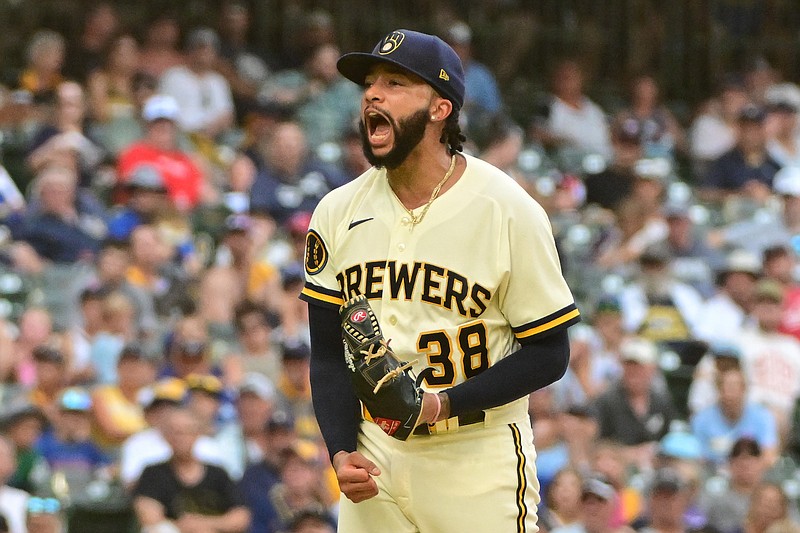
x=381, y=380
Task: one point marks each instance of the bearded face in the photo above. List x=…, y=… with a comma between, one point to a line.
x=407, y=134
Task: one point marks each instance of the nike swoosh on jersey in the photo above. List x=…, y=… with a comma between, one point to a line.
x=355, y=223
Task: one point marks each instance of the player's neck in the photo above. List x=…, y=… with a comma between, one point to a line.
x=415, y=179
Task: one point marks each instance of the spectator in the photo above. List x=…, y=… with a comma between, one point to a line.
x=188, y=350
x=614, y=182
x=294, y=388
x=780, y=264
x=152, y=272
x=35, y=328
x=243, y=65
x=160, y=48
x=44, y=515
x=783, y=144
x=768, y=229
x=119, y=329
x=211, y=406
x=609, y=460
x=634, y=412
x=186, y=492
x=117, y=412
x=288, y=180
x=589, y=373
x=574, y=121
x=726, y=507
x=61, y=227
x=259, y=478
x=713, y=132
x=45, y=59
x=656, y=305
x=731, y=417
x=703, y=389
x=146, y=199
x=725, y=315
x=256, y=279
x=301, y=486
x=66, y=142
x=325, y=103
x=668, y=501
x=255, y=405
x=596, y=508
x=160, y=148
x=258, y=352
x=769, y=508
x=205, y=104
x=481, y=94
x=562, y=509
x=640, y=230
x=770, y=359
x=80, y=337
x=747, y=169
x=87, y=55
x=22, y=423
x=12, y=501
x=694, y=262
x=294, y=327
x=661, y=134
x=113, y=102
x=68, y=447
x=50, y=380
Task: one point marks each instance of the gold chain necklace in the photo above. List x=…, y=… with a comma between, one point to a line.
x=416, y=219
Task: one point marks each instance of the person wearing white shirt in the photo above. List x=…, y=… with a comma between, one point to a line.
x=13, y=502
x=204, y=96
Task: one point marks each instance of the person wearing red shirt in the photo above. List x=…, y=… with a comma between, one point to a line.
x=159, y=148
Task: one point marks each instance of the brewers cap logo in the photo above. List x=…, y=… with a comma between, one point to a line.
x=316, y=254
x=391, y=42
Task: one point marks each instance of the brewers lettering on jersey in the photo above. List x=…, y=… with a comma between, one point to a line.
x=460, y=269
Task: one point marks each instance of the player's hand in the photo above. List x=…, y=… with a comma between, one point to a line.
x=355, y=474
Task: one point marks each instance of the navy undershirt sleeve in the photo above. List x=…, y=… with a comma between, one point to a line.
x=336, y=406
x=535, y=365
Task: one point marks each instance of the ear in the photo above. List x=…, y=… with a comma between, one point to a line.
x=440, y=108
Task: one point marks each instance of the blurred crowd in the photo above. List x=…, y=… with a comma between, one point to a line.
x=155, y=194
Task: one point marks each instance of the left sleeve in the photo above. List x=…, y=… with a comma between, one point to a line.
x=535, y=300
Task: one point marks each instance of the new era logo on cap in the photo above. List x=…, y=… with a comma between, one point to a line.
x=443, y=75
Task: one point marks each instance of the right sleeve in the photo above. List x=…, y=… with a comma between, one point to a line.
x=335, y=404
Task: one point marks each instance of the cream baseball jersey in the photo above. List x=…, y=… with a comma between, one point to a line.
x=453, y=293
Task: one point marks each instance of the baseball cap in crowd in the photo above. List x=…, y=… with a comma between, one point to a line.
x=677, y=210
x=608, y=304
x=257, y=384
x=296, y=351
x=75, y=399
x=769, y=290
x=47, y=354
x=165, y=390
x=207, y=383
x=725, y=350
x=427, y=56
x=597, y=485
x=742, y=260
x=680, y=445
x=787, y=181
x=667, y=479
x=752, y=113
x=783, y=97
x=639, y=350
x=160, y=107
x=146, y=177
x=134, y=351
x=656, y=254
x=280, y=420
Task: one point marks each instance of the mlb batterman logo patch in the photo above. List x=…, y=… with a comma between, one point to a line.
x=391, y=42
x=316, y=254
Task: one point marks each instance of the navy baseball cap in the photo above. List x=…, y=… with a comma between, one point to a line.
x=427, y=56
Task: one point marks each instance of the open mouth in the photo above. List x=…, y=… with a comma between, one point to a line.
x=379, y=129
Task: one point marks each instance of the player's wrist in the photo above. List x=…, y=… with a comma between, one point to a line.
x=444, y=412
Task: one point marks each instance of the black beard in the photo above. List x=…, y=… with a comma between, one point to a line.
x=407, y=135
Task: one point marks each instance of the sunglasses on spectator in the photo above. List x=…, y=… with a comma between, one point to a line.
x=38, y=505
